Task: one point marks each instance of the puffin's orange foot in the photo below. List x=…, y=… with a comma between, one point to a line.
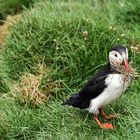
x=105, y=116
x=106, y=125
x=103, y=125
x=110, y=117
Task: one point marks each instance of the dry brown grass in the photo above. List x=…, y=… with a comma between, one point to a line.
x=5, y=28
x=130, y=75
x=135, y=48
x=29, y=91
x=29, y=88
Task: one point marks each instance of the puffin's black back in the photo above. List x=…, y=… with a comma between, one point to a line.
x=92, y=89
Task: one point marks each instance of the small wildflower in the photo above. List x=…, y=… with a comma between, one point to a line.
x=85, y=35
x=110, y=27
x=122, y=35
x=54, y=40
x=84, y=18
x=134, y=48
x=118, y=39
x=87, y=20
x=61, y=3
x=122, y=4
x=114, y=29
x=57, y=48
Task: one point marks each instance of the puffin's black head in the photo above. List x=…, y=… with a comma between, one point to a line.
x=118, y=56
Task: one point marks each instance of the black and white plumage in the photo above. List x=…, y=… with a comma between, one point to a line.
x=105, y=86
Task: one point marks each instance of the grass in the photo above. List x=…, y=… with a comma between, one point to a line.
x=11, y=7
x=49, y=42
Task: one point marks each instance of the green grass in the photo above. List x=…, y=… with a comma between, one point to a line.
x=50, y=34
x=11, y=7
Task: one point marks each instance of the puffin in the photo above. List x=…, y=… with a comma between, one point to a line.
x=104, y=87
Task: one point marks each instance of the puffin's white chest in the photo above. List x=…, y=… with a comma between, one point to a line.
x=115, y=87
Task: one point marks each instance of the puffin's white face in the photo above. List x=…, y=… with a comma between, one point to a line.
x=118, y=57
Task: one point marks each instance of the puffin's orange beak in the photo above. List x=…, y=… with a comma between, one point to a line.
x=126, y=64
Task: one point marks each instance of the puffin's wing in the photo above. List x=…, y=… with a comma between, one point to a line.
x=92, y=89
x=94, y=86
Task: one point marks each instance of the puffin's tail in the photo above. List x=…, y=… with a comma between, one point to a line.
x=73, y=100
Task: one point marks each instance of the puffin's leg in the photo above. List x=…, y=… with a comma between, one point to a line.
x=105, y=116
x=107, y=125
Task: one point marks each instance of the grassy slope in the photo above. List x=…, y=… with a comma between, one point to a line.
x=51, y=34
x=11, y=7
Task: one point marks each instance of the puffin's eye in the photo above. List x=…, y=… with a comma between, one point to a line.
x=116, y=55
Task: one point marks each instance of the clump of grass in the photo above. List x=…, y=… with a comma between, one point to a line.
x=130, y=74
x=28, y=90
